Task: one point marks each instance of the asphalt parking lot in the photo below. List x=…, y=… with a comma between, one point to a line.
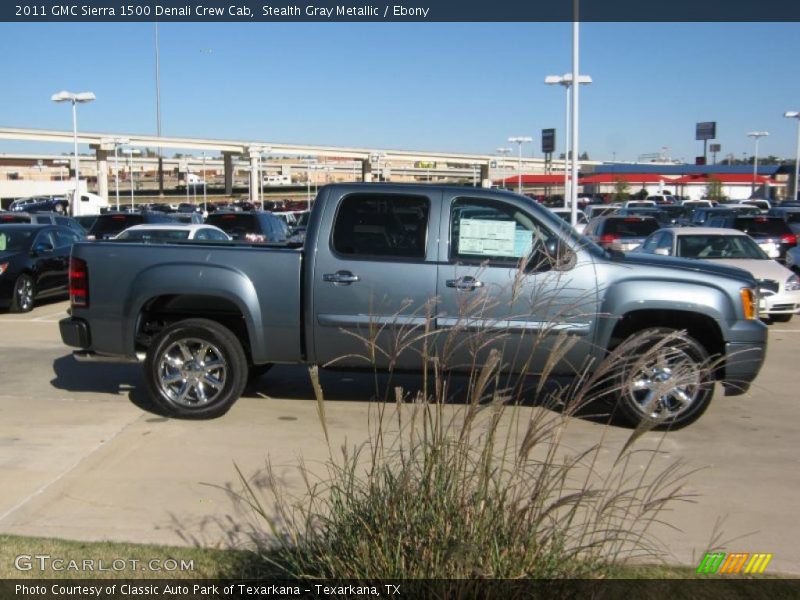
x=82, y=456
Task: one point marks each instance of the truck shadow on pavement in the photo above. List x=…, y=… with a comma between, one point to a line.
x=294, y=383
x=283, y=381
x=103, y=378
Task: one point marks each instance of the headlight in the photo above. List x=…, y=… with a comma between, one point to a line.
x=792, y=284
x=3, y=268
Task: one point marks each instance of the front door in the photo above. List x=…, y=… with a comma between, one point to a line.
x=374, y=279
x=501, y=286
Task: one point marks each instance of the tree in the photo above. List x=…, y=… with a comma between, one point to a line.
x=584, y=156
x=714, y=189
x=621, y=189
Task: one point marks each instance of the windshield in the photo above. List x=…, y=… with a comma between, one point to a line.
x=719, y=246
x=106, y=224
x=762, y=226
x=236, y=225
x=303, y=220
x=631, y=227
x=15, y=240
x=153, y=235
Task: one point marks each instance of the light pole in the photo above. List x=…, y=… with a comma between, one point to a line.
x=205, y=195
x=519, y=140
x=308, y=162
x=61, y=162
x=793, y=114
x=117, y=143
x=757, y=135
x=503, y=152
x=75, y=99
x=565, y=81
x=130, y=152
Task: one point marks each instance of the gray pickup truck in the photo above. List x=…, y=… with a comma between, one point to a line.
x=392, y=276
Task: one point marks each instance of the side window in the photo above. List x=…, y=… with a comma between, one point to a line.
x=202, y=234
x=483, y=230
x=46, y=237
x=65, y=238
x=652, y=243
x=665, y=243
x=215, y=235
x=381, y=225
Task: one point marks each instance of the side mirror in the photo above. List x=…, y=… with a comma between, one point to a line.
x=554, y=255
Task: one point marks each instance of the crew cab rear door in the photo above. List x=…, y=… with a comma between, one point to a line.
x=374, y=277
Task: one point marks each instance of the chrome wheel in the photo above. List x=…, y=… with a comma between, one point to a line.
x=192, y=372
x=664, y=386
x=24, y=294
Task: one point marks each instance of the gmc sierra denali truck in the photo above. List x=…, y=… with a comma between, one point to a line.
x=382, y=260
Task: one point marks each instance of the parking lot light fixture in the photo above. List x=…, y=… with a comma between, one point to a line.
x=130, y=152
x=794, y=114
x=519, y=140
x=503, y=152
x=117, y=143
x=757, y=135
x=565, y=81
x=61, y=162
x=75, y=99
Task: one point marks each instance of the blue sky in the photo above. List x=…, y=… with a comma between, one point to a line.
x=459, y=87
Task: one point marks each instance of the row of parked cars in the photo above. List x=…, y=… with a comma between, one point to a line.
x=759, y=239
x=35, y=246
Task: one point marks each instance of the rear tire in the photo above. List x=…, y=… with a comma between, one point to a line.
x=195, y=369
x=781, y=318
x=23, y=294
x=663, y=379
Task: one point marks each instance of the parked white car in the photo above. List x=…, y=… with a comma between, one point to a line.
x=171, y=233
x=779, y=288
x=566, y=214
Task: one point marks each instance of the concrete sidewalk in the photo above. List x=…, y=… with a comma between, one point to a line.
x=81, y=458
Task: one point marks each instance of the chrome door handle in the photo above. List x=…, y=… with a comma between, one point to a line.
x=464, y=284
x=340, y=277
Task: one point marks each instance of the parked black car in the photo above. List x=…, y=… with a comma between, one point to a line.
x=620, y=233
x=253, y=226
x=771, y=233
x=34, y=263
x=789, y=214
x=50, y=218
x=58, y=204
x=110, y=224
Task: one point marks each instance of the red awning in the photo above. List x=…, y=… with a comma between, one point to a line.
x=535, y=179
x=626, y=177
x=724, y=178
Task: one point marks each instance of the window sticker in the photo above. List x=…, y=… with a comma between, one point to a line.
x=486, y=237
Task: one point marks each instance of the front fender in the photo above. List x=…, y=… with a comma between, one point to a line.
x=681, y=296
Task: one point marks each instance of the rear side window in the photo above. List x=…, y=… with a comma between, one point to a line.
x=631, y=227
x=381, y=225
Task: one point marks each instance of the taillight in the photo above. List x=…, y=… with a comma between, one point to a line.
x=255, y=237
x=608, y=238
x=789, y=238
x=78, y=283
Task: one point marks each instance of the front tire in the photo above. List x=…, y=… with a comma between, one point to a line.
x=23, y=294
x=196, y=369
x=664, y=379
x=781, y=318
